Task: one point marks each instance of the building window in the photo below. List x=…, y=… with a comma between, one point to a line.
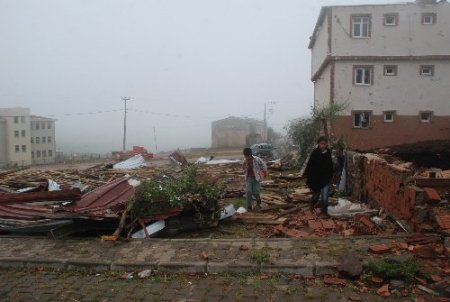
x=16, y=119
x=49, y=139
x=43, y=139
x=38, y=153
x=24, y=148
x=390, y=19
x=37, y=140
x=389, y=116
x=22, y=119
x=361, y=119
x=363, y=75
x=16, y=133
x=32, y=140
x=17, y=148
x=37, y=126
x=425, y=116
x=42, y=126
x=428, y=18
x=32, y=154
x=49, y=125
x=427, y=70
x=44, y=153
x=23, y=133
x=390, y=70
x=50, y=153
x=361, y=26
x=32, y=126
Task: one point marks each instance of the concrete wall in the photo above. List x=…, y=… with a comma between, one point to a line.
x=409, y=38
x=320, y=50
x=407, y=93
x=322, y=88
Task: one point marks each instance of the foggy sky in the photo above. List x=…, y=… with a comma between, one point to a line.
x=184, y=63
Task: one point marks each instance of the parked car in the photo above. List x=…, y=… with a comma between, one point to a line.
x=263, y=150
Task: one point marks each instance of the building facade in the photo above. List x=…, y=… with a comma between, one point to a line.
x=18, y=136
x=43, y=147
x=236, y=132
x=15, y=147
x=389, y=65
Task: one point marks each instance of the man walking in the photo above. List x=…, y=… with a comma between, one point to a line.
x=319, y=172
x=255, y=169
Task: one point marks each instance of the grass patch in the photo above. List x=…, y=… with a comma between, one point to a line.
x=260, y=256
x=388, y=269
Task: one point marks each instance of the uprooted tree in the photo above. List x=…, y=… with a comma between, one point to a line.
x=303, y=132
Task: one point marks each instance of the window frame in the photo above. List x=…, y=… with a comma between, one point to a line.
x=38, y=140
x=24, y=148
x=395, y=15
x=430, y=115
x=16, y=120
x=369, y=26
x=23, y=133
x=426, y=15
x=395, y=73
x=16, y=133
x=38, y=154
x=431, y=67
x=50, y=153
x=17, y=148
x=355, y=112
x=391, y=112
x=49, y=139
x=364, y=67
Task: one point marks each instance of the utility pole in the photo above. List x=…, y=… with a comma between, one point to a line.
x=265, y=123
x=266, y=132
x=154, y=137
x=125, y=99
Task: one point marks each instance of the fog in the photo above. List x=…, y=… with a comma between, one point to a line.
x=184, y=63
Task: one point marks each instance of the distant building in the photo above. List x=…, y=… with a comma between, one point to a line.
x=236, y=132
x=43, y=147
x=18, y=136
x=390, y=64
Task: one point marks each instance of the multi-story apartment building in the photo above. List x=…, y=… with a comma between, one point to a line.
x=390, y=66
x=15, y=137
x=25, y=139
x=43, y=147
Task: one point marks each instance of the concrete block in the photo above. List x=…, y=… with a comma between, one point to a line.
x=182, y=267
x=53, y=264
x=88, y=265
x=133, y=266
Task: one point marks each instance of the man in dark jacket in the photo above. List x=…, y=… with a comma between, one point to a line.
x=319, y=172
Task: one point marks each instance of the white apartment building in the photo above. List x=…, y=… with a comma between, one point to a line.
x=43, y=147
x=15, y=146
x=19, y=132
x=390, y=66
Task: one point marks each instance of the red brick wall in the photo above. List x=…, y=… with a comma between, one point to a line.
x=404, y=130
x=386, y=185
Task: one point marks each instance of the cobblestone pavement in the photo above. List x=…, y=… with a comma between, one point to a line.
x=30, y=285
x=310, y=256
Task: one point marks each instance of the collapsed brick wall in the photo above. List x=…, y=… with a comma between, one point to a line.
x=372, y=179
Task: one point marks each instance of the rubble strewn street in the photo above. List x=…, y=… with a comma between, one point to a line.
x=104, y=209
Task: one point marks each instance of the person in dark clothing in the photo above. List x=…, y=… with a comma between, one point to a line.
x=319, y=172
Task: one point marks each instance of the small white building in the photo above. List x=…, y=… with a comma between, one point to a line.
x=25, y=139
x=390, y=65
